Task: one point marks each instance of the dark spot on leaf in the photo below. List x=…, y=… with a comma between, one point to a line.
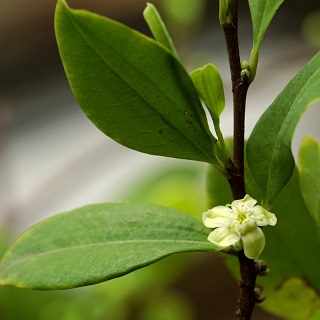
x=160, y=131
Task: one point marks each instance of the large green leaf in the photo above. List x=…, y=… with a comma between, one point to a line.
x=97, y=243
x=262, y=12
x=269, y=146
x=132, y=88
x=309, y=173
x=293, y=256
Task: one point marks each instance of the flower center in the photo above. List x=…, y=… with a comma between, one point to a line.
x=241, y=217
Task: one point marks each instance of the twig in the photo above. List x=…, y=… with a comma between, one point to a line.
x=240, y=85
x=247, y=295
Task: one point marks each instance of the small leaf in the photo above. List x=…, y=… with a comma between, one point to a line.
x=309, y=174
x=209, y=86
x=132, y=88
x=158, y=28
x=269, y=146
x=262, y=12
x=97, y=243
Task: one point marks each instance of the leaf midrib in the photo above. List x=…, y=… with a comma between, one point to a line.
x=88, y=245
x=209, y=156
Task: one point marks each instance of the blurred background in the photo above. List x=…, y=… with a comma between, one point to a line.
x=52, y=159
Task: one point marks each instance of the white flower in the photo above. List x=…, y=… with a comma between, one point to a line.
x=238, y=225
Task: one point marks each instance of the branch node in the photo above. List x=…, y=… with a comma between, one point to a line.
x=259, y=295
x=261, y=268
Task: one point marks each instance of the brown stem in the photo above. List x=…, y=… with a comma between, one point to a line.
x=236, y=168
x=247, y=296
x=240, y=85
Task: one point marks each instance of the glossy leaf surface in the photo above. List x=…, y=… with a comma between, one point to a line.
x=97, y=243
x=269, y=146
x=309, y=173
x=132, y=88
x=262, y=13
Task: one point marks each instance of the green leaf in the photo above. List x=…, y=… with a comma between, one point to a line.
x=293, y=299
x=309, y=173
x=158, y=28
x=97, y=243
x=209, y=86
x=292, y=252
x=262, y=12
x=269, y=146
x=131, y=88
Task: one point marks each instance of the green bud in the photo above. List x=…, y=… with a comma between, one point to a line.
x=223, y=12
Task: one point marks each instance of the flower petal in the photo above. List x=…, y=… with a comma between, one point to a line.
x=245, y=227
x=223, y=237
x=263, y=217
x=247, y=203
x=253, y=243
x=216, y=217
